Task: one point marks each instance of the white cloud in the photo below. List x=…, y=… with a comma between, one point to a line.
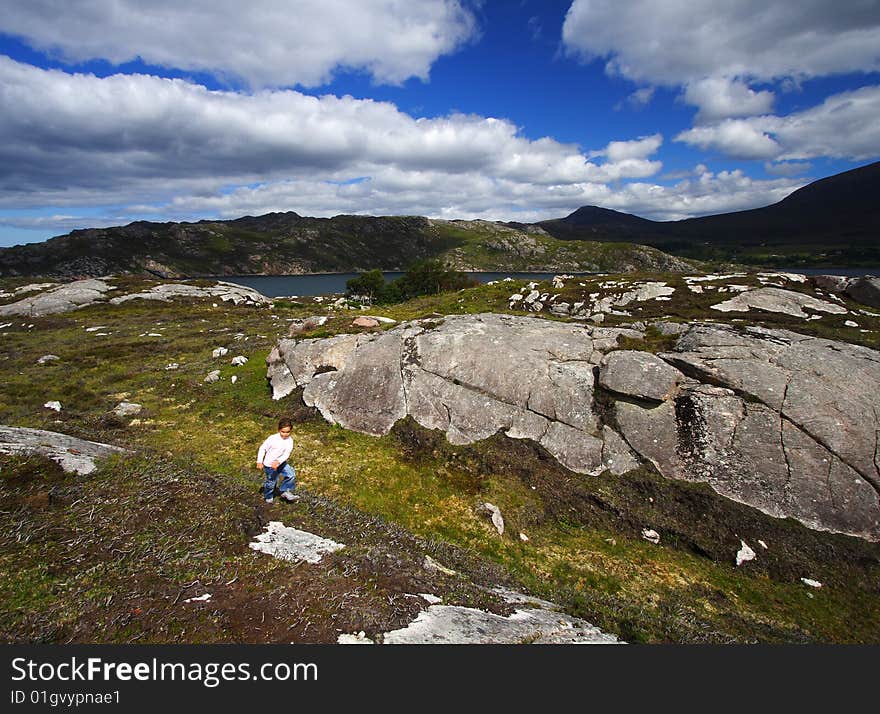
x=843, y=126
x=787, y=168
x=675, y=42
x=267, y=43
x=66, y=138
x=641, y=97
x=636, y=149
x=719, y=98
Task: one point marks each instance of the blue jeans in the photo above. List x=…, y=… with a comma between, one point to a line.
x=288, y=482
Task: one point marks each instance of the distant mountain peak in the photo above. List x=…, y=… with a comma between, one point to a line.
x=598, y=216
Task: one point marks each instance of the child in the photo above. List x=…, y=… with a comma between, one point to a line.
x=272, y=459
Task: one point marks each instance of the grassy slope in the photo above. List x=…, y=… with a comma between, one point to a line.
x=111, y=556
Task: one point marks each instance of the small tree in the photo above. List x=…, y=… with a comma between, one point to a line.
x=429, y=277
x=370, y=284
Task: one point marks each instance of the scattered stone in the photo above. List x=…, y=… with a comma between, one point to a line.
x=359, y=639
x=292, y=544
x=47, y=358
x=201, y=598
x=383, y=320
x=55, y=405
x=213, y=376
x=762, y=544
x=430, y=599
x=239, y=361
x=670, y=328
x=72, y=454
x=363, y=321
x=172, y=365
x=219, y=352
x=431, y=564
x=96, y=328
x=125, y=409
x=495, y=513
x=233, y=379
x=812, y=583
x=744, y=554
x=304, y=324
x=651, y=535
x=523, y=537
x=850, y=323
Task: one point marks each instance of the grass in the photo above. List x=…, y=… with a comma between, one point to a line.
x=110, y=557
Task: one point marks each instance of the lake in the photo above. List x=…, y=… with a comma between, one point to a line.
x=329, y=283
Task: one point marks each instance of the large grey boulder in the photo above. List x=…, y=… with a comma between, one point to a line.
x=72, y=454
x=471, y=377
x=780, y=421
x=71, y=296
x=790, y=426
x=865, y=290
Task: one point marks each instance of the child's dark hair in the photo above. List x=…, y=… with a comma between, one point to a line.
x=285, y=421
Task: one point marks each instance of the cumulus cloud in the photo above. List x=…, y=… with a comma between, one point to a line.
x=843, y=126
x=66, y=138
x=266, y=43
x=676, y=42
x=719, y=98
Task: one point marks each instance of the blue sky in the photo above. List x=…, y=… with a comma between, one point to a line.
x=120, y=110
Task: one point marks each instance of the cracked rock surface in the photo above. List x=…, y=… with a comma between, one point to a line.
x=779, y=421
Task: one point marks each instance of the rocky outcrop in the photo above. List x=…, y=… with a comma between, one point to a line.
x=779, y=300
x=865, y=290
x=64, y=298
x=780, y=421
x=72, y=454
x=82, y=293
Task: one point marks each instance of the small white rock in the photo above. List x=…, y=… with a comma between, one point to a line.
x=233, y=379
x=745, y=553
x=432, y=599
x=650, y=534
x=762, y=544
x=812, y=583
x=201, y=598
x=172, y=365
x=219, y=352
x=523, y=537
x=53, y=405
x=213, y=376
x=850, y=323
x=239, y=360
x=47, y=358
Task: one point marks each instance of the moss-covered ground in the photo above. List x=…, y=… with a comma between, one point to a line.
x=114, y=555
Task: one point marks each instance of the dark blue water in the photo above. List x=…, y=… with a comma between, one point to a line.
x=330, y=283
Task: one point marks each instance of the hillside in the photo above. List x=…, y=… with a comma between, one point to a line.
x=832, y=221
x=156, y=546
x=289, y=244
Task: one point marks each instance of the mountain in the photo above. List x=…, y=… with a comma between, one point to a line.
x=835, y=220
x=832, y=222
x=290, y=244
